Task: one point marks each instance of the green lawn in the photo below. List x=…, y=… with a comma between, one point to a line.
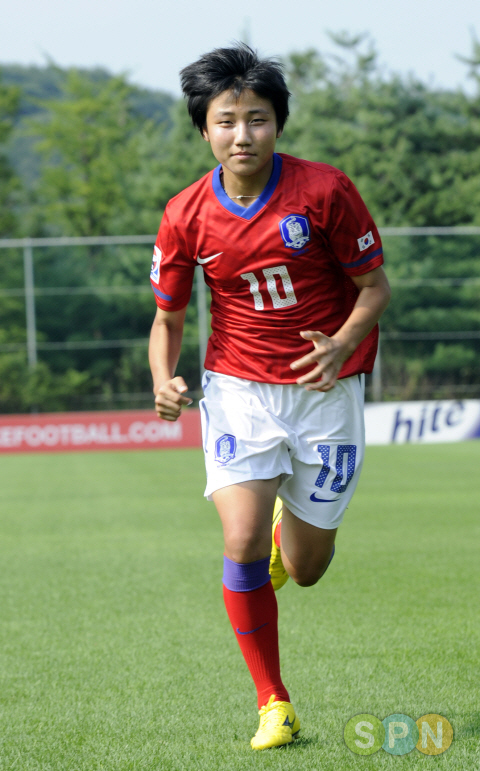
x=115, y=649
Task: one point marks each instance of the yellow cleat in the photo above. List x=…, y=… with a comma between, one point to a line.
x=278, y=574
x=279, y=725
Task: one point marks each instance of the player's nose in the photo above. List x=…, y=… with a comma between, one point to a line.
x=242, y=134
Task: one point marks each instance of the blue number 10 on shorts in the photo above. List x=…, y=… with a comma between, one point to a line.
x=314, y=441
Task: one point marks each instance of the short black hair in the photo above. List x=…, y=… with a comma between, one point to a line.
x=233, y=69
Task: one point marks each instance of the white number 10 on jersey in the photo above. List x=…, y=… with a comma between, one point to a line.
x=270, y=275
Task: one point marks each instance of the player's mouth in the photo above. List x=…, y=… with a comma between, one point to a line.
x=243, y=155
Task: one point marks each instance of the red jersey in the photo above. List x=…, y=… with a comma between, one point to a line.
x=278, y=267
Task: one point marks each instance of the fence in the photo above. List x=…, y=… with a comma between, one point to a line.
x=37, y=344
x=29, y=291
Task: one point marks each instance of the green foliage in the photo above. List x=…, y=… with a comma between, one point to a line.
x=100, y=315
x=432, y=368
x=23, y=389
x=412, y=152
x=473, y=61
x=98, y=307
x=88, y=145
x=171, y=159
x=450, y=358
x=39, y=86
x=105, y=171
x=102, y=156
x=9, y=183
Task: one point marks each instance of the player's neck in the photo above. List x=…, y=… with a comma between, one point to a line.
x=249, y=186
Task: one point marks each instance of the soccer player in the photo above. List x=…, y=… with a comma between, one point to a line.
x=293, y=260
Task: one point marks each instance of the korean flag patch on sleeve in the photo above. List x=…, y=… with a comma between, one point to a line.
x=155, y=271
x=365, y=241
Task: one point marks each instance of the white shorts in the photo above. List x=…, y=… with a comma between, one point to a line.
x=313, y=440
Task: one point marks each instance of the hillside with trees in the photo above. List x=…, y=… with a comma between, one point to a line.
x=87, y=153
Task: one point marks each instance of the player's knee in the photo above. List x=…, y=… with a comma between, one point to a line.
x=307, y=580
x=309, y=575
x=243, y=548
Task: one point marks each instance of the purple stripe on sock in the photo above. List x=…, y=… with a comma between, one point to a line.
x=245, y=577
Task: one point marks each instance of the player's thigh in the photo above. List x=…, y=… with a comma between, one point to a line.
x=245, y=510
x=326, y=469
x=242, y=440
x=327, y=463
x=306, y=549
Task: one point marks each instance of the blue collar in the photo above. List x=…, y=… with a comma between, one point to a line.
x=267, y=192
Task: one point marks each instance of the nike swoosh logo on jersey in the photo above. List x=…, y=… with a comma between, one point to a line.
x=207, y=259
x=322, y=500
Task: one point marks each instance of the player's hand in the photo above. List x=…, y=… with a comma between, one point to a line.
x=328, y=356
x=169, y=400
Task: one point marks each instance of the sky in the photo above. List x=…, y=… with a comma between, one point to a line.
x=152, y=40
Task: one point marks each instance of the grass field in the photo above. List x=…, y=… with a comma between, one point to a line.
x=116, y=653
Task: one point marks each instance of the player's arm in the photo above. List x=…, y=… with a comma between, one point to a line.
x=330, y=353
x=163, y=354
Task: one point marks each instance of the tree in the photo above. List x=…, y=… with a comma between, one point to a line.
x=112, y=158
x=88, y=142
x=9, y=183
x=171, y=158
x=414, y=155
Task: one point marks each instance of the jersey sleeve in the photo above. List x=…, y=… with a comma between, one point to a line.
x=351, y=232
x=171, y=275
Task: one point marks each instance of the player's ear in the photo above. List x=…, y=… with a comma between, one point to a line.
x=205, y=134
x=279, y=133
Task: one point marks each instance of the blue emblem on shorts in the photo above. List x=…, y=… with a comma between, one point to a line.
x=295, y=231
x=225, y=448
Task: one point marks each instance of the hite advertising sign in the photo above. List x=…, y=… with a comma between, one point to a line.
x=422, y=422
x=128, y=430
x=386, y=423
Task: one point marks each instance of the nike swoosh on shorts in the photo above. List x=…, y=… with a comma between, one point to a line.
x=207, y=259
x=322, y=500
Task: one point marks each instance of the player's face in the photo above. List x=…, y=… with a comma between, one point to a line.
x=242, y=132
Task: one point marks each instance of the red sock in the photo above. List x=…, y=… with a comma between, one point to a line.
x=254, y=616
